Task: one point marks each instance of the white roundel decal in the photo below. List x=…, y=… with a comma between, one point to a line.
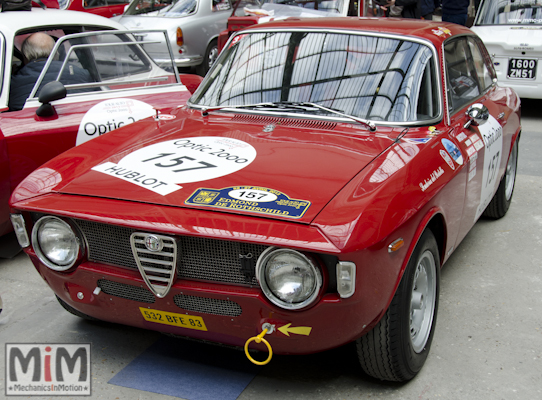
x=260, y=196
x=111, y=114
x=161, y=167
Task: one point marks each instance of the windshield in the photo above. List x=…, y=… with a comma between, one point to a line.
x=291, y=8
x=162, y=8
x=63, y=4
x=92, y=62
x=510, y=12
x=375, y=78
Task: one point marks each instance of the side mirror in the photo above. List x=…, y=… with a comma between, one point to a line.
x=52, y=91
x=477, y=114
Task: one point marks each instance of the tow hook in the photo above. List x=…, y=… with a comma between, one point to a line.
x=267, y=329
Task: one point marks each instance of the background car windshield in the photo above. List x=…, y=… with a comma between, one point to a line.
x=302, y=8
x=369, y=77
x=105, y=61
x=510, y=12
x=162, y=8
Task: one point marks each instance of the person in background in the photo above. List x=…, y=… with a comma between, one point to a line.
x=36, y=48
x=410, y=8
x=427, y=8
x=417, y=8
x=455, y=11
x=395, y=11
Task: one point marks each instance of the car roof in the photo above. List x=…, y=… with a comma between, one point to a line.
x=14, y=21
x=434, y=31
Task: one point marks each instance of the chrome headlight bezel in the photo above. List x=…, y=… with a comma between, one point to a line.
x=76, y=251
x=261, y=274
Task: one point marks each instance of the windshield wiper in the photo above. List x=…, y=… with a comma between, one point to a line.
x=370, y=124
x=285, y=105
x=205, y=110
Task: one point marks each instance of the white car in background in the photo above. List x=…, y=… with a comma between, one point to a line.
x=192, y=25
x=512, y=33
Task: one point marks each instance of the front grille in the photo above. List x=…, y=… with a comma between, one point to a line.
x=157, y=266
x=124, y=291
x=197, y=258
x=208, y=306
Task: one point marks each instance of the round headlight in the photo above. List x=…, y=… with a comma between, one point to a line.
x=55, y=243
x=288, y=278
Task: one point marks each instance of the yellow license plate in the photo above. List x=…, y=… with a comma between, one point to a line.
x=169, y=318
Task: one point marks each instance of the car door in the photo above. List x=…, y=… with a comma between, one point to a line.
x=125, y=85
x=485, y=145
x=105, y=8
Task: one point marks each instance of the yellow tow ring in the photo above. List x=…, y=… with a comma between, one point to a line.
x=259, y=339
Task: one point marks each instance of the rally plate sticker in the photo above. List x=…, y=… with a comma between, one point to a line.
x=174, y=319
x=163, y=166
x=250, y=198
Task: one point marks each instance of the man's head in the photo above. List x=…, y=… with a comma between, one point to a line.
x=38, y=45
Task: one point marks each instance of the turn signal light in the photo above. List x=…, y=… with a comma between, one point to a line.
x=180, y=40
x=346, y=278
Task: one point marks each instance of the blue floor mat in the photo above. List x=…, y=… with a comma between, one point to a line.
x=189, y=370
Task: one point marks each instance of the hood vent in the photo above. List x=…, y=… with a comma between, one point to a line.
x=291, y=122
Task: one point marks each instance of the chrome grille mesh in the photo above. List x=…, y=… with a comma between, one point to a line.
x=208, y=306
x=124, y=291
x=198, y=258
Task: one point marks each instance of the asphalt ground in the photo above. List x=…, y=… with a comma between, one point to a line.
x=487, y=345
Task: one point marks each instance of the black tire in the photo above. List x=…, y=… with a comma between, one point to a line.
x=395, y=350
x=500, y=203
x=211, y=54
x=73, y=311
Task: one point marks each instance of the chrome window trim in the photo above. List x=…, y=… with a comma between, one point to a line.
x=33, y=95
x=413, y=39
x=3, y=70
x=445, y=71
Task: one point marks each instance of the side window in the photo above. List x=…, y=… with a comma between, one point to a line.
x=116, y=2
x=94, y=3
x=485, y=75
x=221, y=5
x=428, y=99
x=462, y=79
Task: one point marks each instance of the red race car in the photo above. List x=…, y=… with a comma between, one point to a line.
x=105, y=8
x=306, y=197
x=101, y=78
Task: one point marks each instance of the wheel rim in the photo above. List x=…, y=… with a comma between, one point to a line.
x=213, y=55
x=422, y=301
x=511, y=173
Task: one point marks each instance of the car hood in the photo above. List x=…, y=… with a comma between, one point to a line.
x=271, y=167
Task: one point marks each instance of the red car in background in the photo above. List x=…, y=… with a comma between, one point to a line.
x=125, y=85
x=105, y=8
x=306, y=196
